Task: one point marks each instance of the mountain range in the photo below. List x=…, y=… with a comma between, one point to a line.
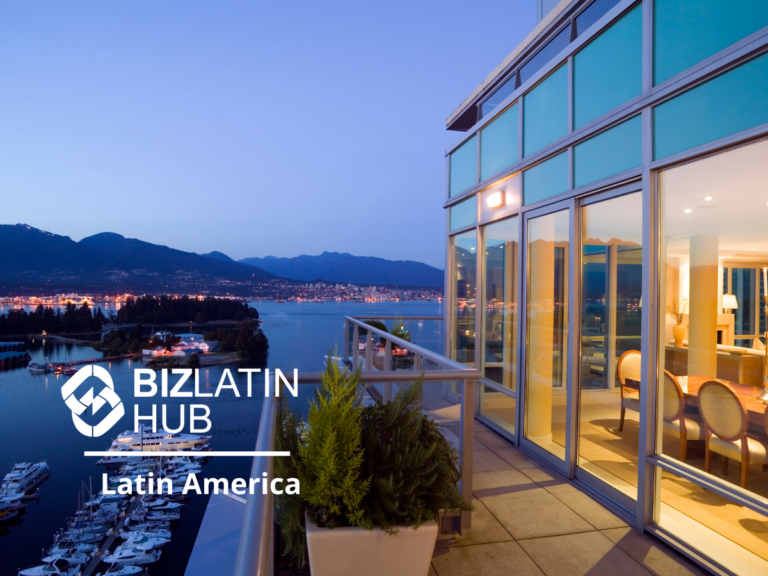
x=35, y=261
x=345, y=268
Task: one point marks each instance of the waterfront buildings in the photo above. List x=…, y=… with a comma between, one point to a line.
x=606, y=217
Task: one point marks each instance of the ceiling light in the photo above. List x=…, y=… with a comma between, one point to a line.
x=495, y=200
x=687, y=210
x=707, y=198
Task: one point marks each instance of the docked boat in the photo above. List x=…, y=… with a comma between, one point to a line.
x=161, y=504
x=72, y=556
x=36, y=368
x=57, y=568
x=14, y=501
x=122, y=570
x=64, y=545
x=142, y=514
x=146, y=440
x=141, y=540
x=151, y=533
x=6, y=513
x=134, y=555
x=148, y=526
x=23, y=477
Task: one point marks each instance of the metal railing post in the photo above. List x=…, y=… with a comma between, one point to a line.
x=345, y=355
x=387, y=394
x=417, y=363
x=254, y=552
x=369, y=351
x=466, y=446
x=355, y=347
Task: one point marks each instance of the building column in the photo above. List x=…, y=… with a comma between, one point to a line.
x=702, y=307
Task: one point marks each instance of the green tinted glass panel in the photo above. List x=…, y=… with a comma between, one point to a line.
x=725, y=105
x=464, y=213
x=498, y=143
x=609, y=153
x=545, y=180
x=464, y=167
x=686, y=32
x=545, y=110
x=609, y=70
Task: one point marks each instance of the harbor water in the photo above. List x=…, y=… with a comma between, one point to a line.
x=35, y=424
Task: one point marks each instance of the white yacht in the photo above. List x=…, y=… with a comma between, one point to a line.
x=146, y=440
x=136, y=555
x=23, y=477
x=57, y=568
x=72, y=556
x=122, y=570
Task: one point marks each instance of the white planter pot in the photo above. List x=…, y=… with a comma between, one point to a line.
x=356, y=551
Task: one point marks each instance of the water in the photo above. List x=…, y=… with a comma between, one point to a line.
x=36, y=425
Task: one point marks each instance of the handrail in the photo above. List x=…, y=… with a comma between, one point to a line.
x=402, y=376
x=254, y=551
x=378, y=317
x=423, y=352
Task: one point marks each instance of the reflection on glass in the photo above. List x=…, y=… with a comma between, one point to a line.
x=611, y=291
x=552, y=49
x=731, y=535
x=499, y=96
x=500, y=330
x=712, y=361
x=465, y=294
x=592, y=14
x=547, y=331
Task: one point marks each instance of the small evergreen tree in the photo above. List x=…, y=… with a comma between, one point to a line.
x=331, y=457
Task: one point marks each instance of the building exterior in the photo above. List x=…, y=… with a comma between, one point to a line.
x=607, y=240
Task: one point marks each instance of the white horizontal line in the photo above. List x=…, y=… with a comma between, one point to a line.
x=162, y=453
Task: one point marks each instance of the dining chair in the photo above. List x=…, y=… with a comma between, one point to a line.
x=629, y=369
x=675, y=421
x=725, y=429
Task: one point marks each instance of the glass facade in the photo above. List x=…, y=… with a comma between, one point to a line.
x=608, y=71
x=501, y=253
x=611, y=338
x=464, y=289
x=685, y=33
x=498, y=143
x=545, y=112
x=464, y=213
x=649, y=389
x=547, y=331
x=463, y=167
x=611, y=152
x=678, y=123
x=545, y=180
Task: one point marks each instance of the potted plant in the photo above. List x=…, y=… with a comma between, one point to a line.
x=677, y=308
x=372, y=480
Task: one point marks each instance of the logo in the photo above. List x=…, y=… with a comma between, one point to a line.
x=106, y=396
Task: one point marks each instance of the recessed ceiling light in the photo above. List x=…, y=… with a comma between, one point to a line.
x=707, y=198
x=687, y=210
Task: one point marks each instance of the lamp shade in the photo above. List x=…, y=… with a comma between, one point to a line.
x=729, y=302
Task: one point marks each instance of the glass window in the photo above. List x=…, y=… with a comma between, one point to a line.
x=712, y=361
x=543, y=56
x=725, y=105
x=501, y=253
x=464, y=167
x=731, y=535
x=685, y=32
x=464, y=213
x=596, y=10
x=499, y=96
x=547, y=332
x=464, y=295
x=608, y=71
x=545, y=180
x=545, y=111
x=500, y=323
x=611, y=152
x=611, y=296
x=498, y=143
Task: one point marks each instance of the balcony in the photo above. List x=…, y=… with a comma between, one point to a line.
x=526, y=519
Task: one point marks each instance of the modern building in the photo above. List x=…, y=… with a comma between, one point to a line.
x=607, y=239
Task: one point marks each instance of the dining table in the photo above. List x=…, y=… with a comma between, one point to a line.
x=746, y=393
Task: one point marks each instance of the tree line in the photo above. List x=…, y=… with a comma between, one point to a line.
x=167, y=310
x=48, y=319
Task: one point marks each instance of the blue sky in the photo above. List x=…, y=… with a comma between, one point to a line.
x=252, y=128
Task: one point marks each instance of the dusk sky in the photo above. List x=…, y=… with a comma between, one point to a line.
x=252, y=128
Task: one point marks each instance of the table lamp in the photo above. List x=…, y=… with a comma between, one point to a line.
x=729, y=302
